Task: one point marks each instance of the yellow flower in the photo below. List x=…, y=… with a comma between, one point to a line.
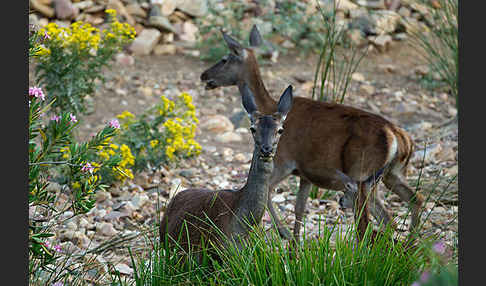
x=154, y=143
x=76, y=185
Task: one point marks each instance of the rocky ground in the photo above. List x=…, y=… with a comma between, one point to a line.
x=385, y=83
x=388, y=82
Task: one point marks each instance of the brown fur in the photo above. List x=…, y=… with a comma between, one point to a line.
x=321, y=137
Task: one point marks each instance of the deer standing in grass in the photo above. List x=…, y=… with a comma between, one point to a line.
x=231, y=212
x=321, y=137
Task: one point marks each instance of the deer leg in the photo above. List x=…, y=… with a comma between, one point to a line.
x=361, y=211
x=395, y=183
x=378, y=210
x=274, y=214
x=304, y=190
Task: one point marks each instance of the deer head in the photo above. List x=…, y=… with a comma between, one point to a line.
x=229, y=70
x=266, y=129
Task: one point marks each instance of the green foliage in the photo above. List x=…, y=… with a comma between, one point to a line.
x=291, y=20
x=162, y=134
x=70, y=59
x=439, y=44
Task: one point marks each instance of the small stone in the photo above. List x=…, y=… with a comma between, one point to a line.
x=102, y=196
x=382, y=42
x=385, y=21
x=367, y=89
x=388, y=68
x=65, y=9
x=162, y=23
x=189, y=31
x=121, y=92
x=240, y=157
x=421, y=70
x=167, y=7
x=83, y=5
x=146, y=91
x=217, y=124
x=124, y=59
x=145, y=41
x=228, y=136
x=107, y=229
x=358, y=77
x=279, y=198
x=124, y=269
x=452, y=111
x=139, y=200
x=355, y=36
x=371, y=4
x=42, y=8
x=135, y=10
x=71, y=225
x=196, y=8
x=165, y=49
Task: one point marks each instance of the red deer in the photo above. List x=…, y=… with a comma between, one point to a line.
x=230, y=211
x=321, y=137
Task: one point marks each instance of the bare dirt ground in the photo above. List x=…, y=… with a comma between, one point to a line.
x=398, y=95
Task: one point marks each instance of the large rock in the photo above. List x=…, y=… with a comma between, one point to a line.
x=145, y=42
x=120, y=10
x=156, y=19
x=385, y=22
x=196, y=8
x=341, y=5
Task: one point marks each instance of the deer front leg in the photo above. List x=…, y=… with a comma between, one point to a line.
x=361, y=211
x=300, y=204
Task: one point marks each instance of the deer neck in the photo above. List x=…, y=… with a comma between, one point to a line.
x=253, y=195
x=265, y=103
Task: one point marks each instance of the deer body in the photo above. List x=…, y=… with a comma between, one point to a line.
x=192, y=214
x=322, y=137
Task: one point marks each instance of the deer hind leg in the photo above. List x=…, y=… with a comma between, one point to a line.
x=378, y=210
x=361, y=211
x=394, y=182
x=300, y=204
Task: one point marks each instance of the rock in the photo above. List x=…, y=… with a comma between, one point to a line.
x=371, y=4
x=227, y=137
x=421, y=70
x=42, y=8
x=106, y=228
x=404, y=11
x=124, y=269
x=139, y=200
x=167, y=7
x=356, y=37
x=124, y=59
x=363, y=23
x=358, y=77
x=65, y=9
x=427, y=154
x=341, y=5
x=114, y=215
x=381, y=42
x=240, y=157
x=279, y=198
x=217, y=124
x=196, y=8
x=411, y=25
x=388, y=68
x=135, y=10
x=189, y=31
x=162, y=23
x=385, y=21
x=95, y=9
x=367, y=89
x=83, y=5
x=452, y=171
x=165, y=49
x=121, y=11
x=145, y=41
x=102, y=196
x=71, y=225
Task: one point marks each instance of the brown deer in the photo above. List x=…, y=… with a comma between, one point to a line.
x=230, y=212
x=321, y=137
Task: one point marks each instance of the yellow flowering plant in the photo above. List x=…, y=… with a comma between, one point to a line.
x=69, y=59
x=162, y=134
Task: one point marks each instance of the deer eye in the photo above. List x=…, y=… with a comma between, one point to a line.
x=280, y=130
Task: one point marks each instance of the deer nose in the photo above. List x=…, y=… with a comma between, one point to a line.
x=266, y=150
x=204, y=76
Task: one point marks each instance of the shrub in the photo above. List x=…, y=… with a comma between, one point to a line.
x=70, y=59
x=162, y=134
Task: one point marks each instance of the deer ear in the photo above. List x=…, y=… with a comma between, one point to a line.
x=247, y=99
x=233, y=44
x=285, y=102
x=255, y=37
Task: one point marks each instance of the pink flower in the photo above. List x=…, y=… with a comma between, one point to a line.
x=59, y=283
x=439, y=247
x=425, y=276
x=415, y=284
x=57, y=248
x=46, y=35
x=36, y=92
x=46, y=244
x=114, y=124
x=56, y=118
x=73, y=118
x=87, y=168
